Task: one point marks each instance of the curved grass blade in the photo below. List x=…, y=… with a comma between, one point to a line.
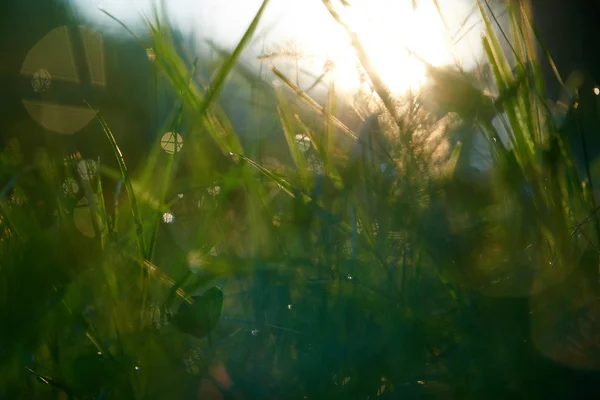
x=541, y=43
x=380, y=87
x=167, y=177
x=101, y=209
x=285, y=116
x=118, y=21
x=312, y=103
x=223, y=72
x=53, y=383
x=283, y=184
x=306, y=200
x=323, y=153
x=125, y=175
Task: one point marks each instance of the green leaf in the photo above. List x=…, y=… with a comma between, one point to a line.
x=128, y=185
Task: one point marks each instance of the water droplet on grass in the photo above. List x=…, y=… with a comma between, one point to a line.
x=150, y=54
x=168, y=218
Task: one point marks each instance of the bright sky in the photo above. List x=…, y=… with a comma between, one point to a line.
x=385, y=26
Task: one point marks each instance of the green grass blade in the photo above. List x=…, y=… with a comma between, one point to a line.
x=312, y=103
x=380, y=87
x=287, y=123
x=104, y=228
x=221, y=75
x=125, y=175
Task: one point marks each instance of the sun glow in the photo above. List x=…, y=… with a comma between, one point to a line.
x=387, y=30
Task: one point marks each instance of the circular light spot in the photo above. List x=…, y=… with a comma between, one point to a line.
x=171, y=142
x=303, y=143
x=375, y=227
x=597, y=91
x=180, y=195
x=314, y=164
x=87, y=169
x=70, y=187
x=277, y=221
x=150, y=54
x=16, y=199
x=195, y=259
x=41, y=80
x=168, y=218
x=214, y=190
x=54, y=52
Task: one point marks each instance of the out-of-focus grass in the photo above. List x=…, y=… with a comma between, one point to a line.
x=373, y=270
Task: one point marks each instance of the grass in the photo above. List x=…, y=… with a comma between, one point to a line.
x=322, y=277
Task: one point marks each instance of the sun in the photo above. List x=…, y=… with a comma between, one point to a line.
x=387, y=29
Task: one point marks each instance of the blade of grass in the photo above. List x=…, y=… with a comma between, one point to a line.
x=167, y=177
x=321, y=148
x=380, y=87
x=293, y=192
x=285, y=116
x=499, y=57
x=283, y=184
x=540, y=42
x=125, y=175
x=101, y=209
x=223, y=72
x=312, y=103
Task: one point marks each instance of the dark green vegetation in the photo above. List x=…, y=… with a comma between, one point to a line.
x=329, y=276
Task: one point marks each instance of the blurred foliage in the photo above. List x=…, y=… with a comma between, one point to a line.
x=360, y=265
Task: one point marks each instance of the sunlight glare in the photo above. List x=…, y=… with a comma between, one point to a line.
x=385, y=27
x=386, y=30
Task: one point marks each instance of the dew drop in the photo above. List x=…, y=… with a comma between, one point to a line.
x=168, y=218
x=150, y=54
